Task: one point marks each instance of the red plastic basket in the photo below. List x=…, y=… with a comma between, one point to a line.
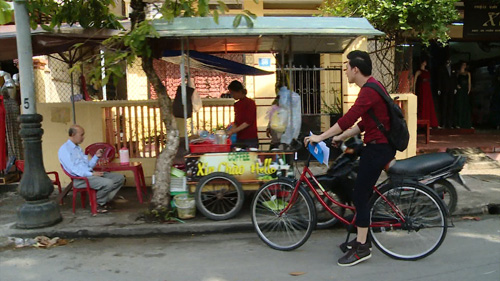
x=208, y=146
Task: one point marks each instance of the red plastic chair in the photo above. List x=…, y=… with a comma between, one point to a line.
x=20, y=166
x=109, y=150
x=83, y=192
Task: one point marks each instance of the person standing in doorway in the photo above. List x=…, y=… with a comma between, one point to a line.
x=245, y=117
x=446, y=92
x=375, y=155
x=463, y=117
x=422, y=86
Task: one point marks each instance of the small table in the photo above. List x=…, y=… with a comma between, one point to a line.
x=135, y=167
x=426, y=124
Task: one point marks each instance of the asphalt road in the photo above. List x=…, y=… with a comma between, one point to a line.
x=471, y=251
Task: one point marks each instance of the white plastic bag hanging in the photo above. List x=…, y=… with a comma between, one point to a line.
x=196, y=99
x=293, y=106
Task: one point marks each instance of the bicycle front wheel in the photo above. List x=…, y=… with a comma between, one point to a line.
x=424, y=226
x=291, y=229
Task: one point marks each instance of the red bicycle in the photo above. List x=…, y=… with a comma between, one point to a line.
x=408, y=219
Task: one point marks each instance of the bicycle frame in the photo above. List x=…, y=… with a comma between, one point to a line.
x=304, y=179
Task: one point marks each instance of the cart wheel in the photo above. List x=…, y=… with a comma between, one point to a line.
x=219, y=196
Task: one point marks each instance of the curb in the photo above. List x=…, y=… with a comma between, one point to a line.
x=151, y=229
x=133, y=231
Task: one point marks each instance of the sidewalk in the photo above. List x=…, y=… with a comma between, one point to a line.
x=123, y=220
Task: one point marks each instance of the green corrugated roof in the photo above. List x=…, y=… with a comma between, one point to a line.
x=267, y=26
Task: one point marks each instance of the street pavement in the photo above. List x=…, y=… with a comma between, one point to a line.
x=471, y=251
x=481, y=173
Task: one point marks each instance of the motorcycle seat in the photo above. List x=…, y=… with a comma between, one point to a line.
x=421, y=165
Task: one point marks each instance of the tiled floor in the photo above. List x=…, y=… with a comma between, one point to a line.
x=487, y=140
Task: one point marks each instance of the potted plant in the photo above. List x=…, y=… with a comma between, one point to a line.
x=334, y=110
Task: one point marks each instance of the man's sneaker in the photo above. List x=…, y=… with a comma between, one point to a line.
x=349, y=244
x=358, y=253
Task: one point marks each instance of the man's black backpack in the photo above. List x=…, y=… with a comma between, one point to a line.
x=398, y=136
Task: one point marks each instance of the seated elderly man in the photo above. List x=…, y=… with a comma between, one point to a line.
x=75, y=162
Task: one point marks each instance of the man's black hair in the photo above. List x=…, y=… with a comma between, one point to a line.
x=71, y=131
x=236, y=86
x=361, y=60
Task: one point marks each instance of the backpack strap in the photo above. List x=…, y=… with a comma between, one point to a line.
x=380, y=126
x=387, y=99
x=379, y=90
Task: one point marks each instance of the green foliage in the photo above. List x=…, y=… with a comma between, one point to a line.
x=6, y=13
x=160, y=215
x=422, y=19
x=127, y=46
x=335, y=108
x=88, y=13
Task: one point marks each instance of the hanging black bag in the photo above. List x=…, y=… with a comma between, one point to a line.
x=178, y=109
x=398, y=136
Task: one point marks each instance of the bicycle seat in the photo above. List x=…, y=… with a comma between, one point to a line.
x=421, y=165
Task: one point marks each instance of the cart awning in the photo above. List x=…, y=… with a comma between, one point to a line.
x=202, y=60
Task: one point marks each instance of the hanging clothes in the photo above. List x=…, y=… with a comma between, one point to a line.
x=426, y=109
x=463, y=117
x=3, y=146
x=14, y=142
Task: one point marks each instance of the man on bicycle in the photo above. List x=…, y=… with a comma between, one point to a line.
x=375, y=155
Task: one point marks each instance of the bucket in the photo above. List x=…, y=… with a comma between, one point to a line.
x=220, y=137
x=186, y=206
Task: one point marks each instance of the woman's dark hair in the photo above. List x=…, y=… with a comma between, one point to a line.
x=361, y=60
x=236, y=86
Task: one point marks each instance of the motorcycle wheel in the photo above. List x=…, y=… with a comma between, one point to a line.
x=447, y=192
x=324, y=218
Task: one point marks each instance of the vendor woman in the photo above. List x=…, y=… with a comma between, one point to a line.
x=245, y=117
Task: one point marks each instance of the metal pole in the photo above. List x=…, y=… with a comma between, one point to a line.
x=73, y=97
x=183, y=91
x=35, y=186
x=290, y=85
x=103, y=75
x=189, y=77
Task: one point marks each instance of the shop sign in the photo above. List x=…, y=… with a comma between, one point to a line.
x=482, y=19
x=245, y=166
x=264, y=62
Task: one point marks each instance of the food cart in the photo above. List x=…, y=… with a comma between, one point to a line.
x=218, y=176
x=220, y=179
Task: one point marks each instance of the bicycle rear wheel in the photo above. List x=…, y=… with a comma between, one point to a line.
x=290, y=230
x=425, y=221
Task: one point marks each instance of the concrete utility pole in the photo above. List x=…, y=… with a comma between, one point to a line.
x=35, y=186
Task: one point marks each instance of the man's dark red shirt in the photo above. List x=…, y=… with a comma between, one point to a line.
x=368, y=98
x=245, y=111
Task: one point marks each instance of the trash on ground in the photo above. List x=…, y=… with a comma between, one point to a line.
x=38, y=242
x=297, y=273
x=471, y=218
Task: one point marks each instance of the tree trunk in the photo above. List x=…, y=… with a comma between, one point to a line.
x=161, y=187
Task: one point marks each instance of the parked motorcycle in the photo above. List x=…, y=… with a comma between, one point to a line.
x=432, y=169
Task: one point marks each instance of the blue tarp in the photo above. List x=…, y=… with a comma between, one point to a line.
x=220, y=64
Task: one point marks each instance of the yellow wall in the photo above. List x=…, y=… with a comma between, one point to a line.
x=350, y=93
x=261, y=88
x=57, y=118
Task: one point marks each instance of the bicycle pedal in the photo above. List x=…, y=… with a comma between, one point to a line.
x=343, y=247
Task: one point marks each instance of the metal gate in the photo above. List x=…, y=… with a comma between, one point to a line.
x=320, y=89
